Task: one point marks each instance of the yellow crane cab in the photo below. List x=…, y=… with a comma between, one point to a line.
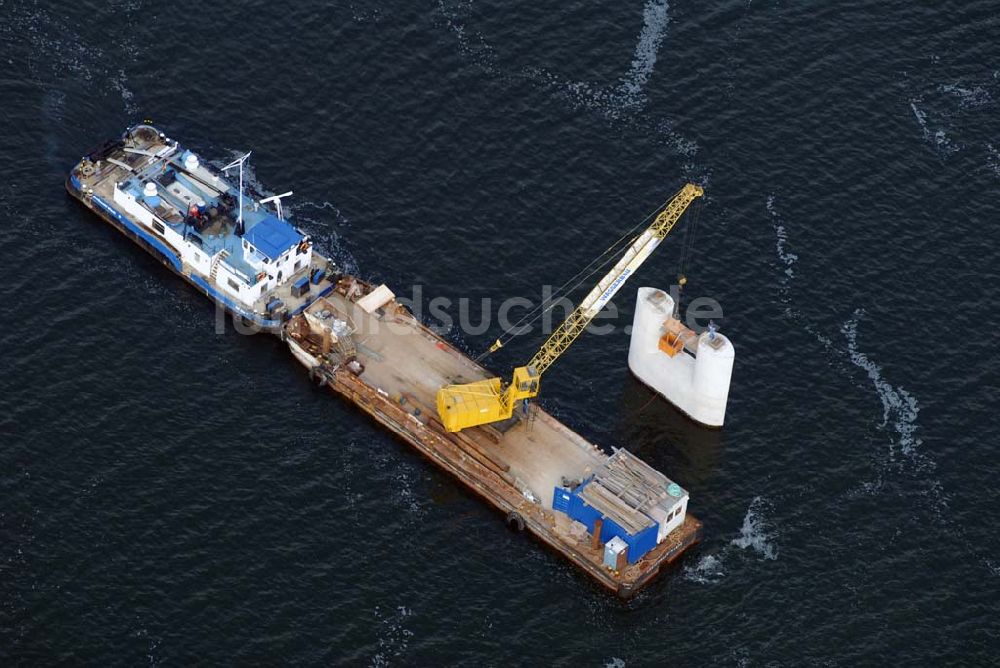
x=485, y=401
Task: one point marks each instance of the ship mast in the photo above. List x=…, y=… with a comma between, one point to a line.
x=239, y=161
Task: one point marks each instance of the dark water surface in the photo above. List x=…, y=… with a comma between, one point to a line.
x=170, y=494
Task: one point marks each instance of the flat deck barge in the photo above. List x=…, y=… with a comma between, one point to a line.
x=517, y=471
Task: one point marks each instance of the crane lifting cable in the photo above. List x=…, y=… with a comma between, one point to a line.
x=547, y=305
x=687, y=245
x=688, y=240
x=488, y=400
x=606, y=257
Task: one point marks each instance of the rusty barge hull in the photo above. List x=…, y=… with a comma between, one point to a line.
x=402, y=362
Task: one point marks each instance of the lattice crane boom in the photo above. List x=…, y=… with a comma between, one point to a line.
x=484, y=401
x=607, y=287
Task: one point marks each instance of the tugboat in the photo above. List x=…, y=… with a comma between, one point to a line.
x=198, y=222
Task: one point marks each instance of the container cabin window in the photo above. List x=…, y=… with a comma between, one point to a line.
x=158, y=227
x=233, y=284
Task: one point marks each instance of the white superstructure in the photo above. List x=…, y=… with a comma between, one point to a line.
x=691, y=371
x=255, y=263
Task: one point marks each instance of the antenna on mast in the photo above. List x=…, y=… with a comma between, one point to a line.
x=277, y=202
x=239, y=161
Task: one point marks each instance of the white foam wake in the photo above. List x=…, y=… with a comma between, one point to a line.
x=786, y=260
x=394, y=637
x=333, y=242
x=993, y=159
x=969, y=97
x=119, y=82
x=708, y=570
x=58, y=52
x=631, y=91
x=620, y=103
x=937, y=138
x=900, y=409
x=898, y=405
x=629, y=96
x=785, y=257
x=756, y=534
x=471, y=44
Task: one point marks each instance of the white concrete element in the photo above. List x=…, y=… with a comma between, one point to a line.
x=695, y=381
x=378, y=297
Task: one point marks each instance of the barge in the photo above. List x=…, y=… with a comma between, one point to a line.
x=613, y=516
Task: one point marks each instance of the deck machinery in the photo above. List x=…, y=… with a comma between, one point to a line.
x=485, y=401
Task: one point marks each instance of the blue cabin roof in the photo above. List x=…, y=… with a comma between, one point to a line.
x=272, y=237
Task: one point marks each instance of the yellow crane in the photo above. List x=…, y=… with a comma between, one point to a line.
x=485, y=401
